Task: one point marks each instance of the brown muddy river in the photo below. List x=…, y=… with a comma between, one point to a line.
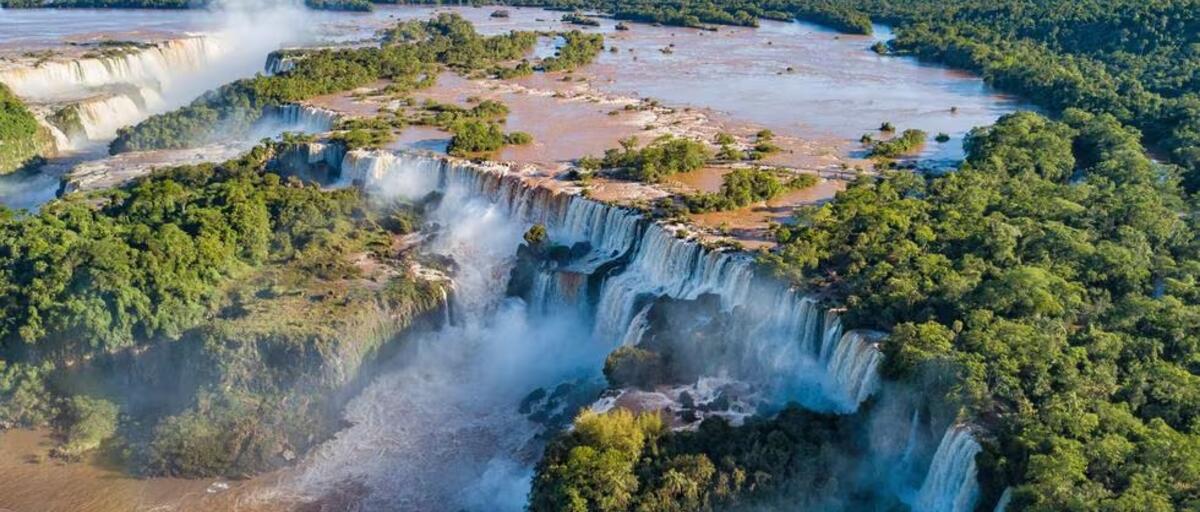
x=797, y=78
x=835, y=90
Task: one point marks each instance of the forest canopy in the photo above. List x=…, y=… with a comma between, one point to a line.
x=1051, y=286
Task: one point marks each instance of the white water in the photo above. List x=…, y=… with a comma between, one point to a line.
x=295, y=119
x=277, y=63
x=1005, y=498
x=951, y=484
x=114, y=91
x=156, y=67
x=781, y=329
x=206, y=49
x=442, y=431
x=102, y=117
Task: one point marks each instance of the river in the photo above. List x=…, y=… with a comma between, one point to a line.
x=441, y=430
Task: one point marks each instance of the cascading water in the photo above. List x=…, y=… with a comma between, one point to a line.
x=278, y=63
x=1005, y=498
x=149, y=67
x=443, y=431
x=637, y=328
x=951, y=484
x=101, y=117
x=294, y=118
x=785, y=341
x=787, y=337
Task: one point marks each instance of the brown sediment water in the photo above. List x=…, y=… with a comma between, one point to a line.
x=707, y=179
x=734, y=80
x=35, y=482
x=563, y=128
x=750, y=225
x=798, y=79
x=569, y=120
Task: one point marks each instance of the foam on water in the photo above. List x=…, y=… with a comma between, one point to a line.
x=446, y=420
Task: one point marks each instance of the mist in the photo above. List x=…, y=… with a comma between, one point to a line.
x=232, y=41
x=246, y=31
x=445, y=425
x=441, y=429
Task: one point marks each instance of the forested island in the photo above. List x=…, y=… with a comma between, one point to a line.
x=1044, y=292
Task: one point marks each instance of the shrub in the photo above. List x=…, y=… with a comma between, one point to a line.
x=743, y=187
x=906, y=143
x=474, y=136
x=579, y=49
x=635, y=367
x=666, y=155
x=518, y=138
x=90, y=422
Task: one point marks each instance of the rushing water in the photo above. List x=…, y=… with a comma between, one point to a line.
x=193, y=51
x=443, y=431
x=950, y=485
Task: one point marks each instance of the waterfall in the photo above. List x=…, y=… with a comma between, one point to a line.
x=278, y=62
x=668, y=267
x=294, y=118
x=1005, y=498
x=151, y=67
x=390, y=174
x=61, y=140
x=637, y=328
x=910, y=445
x=783, y=336
x=555, y=290
x=780, y=339
x=101, y=117
x=951, y=484
x=854, y=366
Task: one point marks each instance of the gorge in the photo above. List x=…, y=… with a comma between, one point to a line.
x=794, y=350
x=633, y=256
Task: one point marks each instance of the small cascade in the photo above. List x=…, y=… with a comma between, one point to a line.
x=831, y=336
x=61, y=141
x=1005, y=498
x=854, y=367
x=912, y=444
x=149, y=67
x=558, y=290
x=448, y=315
x=278, y=62
x=294, y=118
x=951, y=484
x=637, y=328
